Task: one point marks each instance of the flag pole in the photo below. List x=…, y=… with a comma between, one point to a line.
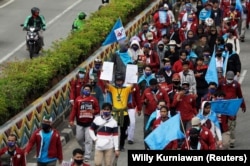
x=182, y=126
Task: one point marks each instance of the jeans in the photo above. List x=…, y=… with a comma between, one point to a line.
x=53, y=163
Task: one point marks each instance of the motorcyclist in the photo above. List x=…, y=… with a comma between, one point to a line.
x=37, y=21
x=79, y=21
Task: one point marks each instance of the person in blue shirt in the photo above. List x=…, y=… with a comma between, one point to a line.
x=205, y=13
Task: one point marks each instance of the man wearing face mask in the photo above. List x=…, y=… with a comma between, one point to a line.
x=78, y=158
x=17, y=157
x=85, y=108
x=106, y=137
x=232, y=89
x=76, y=85
x=184, y=14
x=186, y=26
x=185, y=102
x=166, y=71
x=198, y=137
x=119, y=97
x=173, y=52
x=152, y=59
x=209, y=96
x=143, y=81
x=96, y=90
x=161, y=52
x=96, y=71
x=205, y=13
x=48, y=144
x=164, y=116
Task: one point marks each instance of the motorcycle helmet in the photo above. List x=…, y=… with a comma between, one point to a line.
x=35, y=11
x=82, y=15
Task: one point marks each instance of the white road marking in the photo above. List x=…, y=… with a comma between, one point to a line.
x=7, y=3
x=48, y=24
x=242, y=76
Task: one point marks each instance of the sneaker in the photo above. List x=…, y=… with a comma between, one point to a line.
x=130, y=142
x=122, y=149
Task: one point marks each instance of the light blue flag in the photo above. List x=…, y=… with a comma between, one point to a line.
x=228, y=107
x=117, y=33
x=211, y=74
x=165, y=133
x=238, y=6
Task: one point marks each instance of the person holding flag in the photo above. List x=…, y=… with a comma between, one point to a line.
x=198, y=137
x=232, y=89
x=209, y=119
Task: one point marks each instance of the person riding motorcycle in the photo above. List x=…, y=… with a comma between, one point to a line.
x=79, y=21
x=37, y=21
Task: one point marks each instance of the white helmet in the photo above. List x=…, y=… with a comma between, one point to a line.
x=209, y=21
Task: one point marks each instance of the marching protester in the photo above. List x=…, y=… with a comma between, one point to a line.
x=48, y=144
x=106, y=137
x=16, y=154
x=83, y=111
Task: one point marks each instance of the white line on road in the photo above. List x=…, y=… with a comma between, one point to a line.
x=7, y=3
x=49, y=23
x=242, y=76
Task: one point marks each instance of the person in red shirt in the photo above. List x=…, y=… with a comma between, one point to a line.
x=198, y=137
x=84, y=110
x=186, y=104
x=76, y=85
x=134, y=106
x=164, y=112
x=234, y=16
x=152, y=58
x=49, y=151
x=186, y=26
x=16, y=155
x=232, y=89
x=177, y=67
x=150, y=98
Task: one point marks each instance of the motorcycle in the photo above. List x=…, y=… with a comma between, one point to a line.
x=32, y=39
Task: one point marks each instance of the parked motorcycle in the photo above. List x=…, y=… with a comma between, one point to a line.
x=32, y=41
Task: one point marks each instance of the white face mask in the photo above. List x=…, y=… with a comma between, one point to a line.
x=81, y=75
x=229, y=81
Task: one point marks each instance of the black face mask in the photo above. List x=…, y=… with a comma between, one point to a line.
x=78, y=162
x=194, y=138
x=161, y=48
x=46, y=127
x=176, y=82
x=218, y=54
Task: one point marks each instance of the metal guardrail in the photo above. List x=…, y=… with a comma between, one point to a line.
x=56, y=100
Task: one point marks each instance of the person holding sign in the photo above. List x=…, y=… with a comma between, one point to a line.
x=84, y=110
x=119, y=98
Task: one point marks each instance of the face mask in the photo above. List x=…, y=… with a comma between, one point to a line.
x=46, y=127
x=97, y=66
x=172, y=47
x=176, y=82
x=106, y=114
x=11, y=144
x=167, y=68
x=81, y=75
x=164, y=118
x=161, y=48
x=229, y=81
x=78, y=162
x=148, y=73
x=231, y=9
x=212, y=91
x=188, y=9
x=197, y=128
x=190, y=19
x=219, y=54
x=135, y=47
x=86, y=92
x=186, y=91
x=145, y=31
x=154, y=90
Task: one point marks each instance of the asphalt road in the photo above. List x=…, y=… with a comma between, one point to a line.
x=59, y=15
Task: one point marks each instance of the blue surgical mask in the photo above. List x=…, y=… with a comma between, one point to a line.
x=190, y=19
x=167, y=68
x=81, y=75
x=97, y=66
x=11, y=144
x=106, y=114
x=212, y=91
x=135, y=47
x=148, y=73
x=86, y=92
